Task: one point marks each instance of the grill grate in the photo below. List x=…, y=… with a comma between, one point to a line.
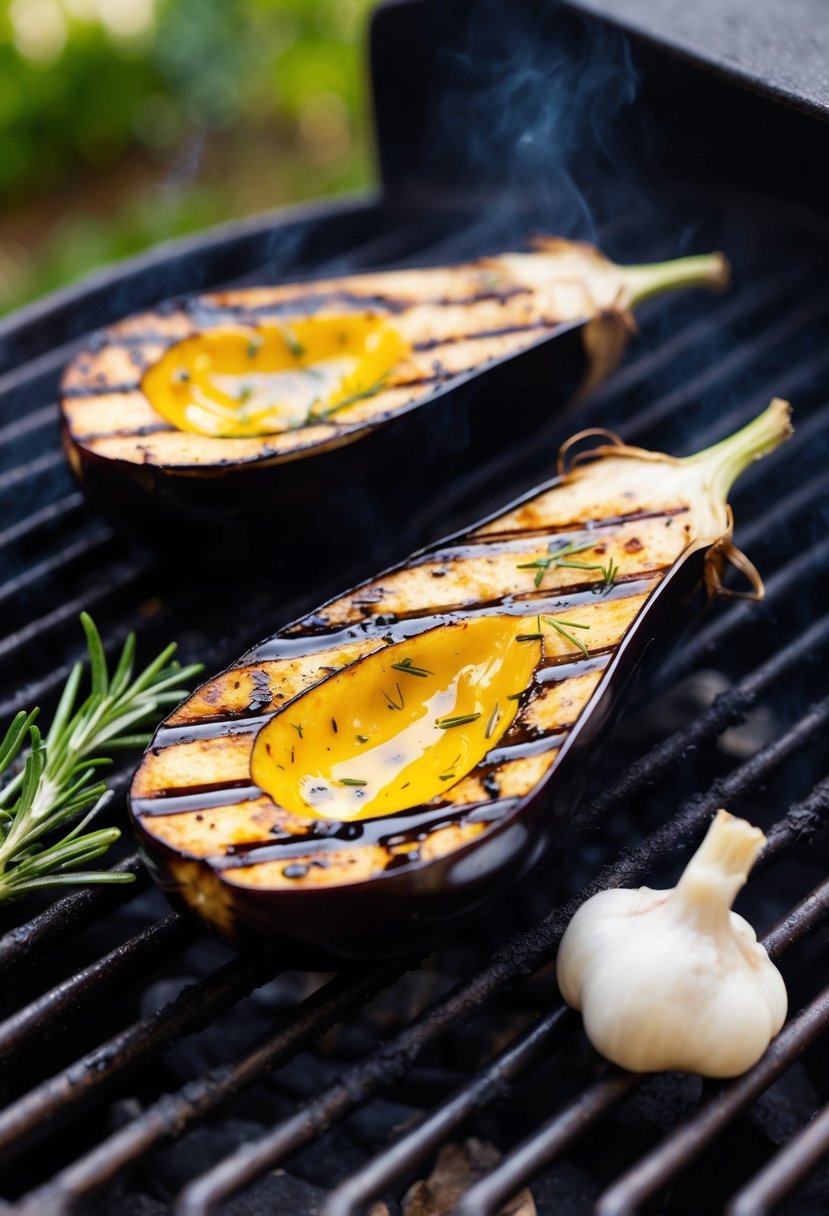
x=700, y=369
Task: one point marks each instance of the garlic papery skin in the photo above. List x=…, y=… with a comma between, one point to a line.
x=675, y=979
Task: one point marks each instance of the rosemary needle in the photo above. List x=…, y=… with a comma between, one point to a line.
x=564, y=629
x=54, y=783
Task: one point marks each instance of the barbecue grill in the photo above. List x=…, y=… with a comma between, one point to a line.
x=142, y=1061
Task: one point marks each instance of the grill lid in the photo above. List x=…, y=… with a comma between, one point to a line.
x=781, y=51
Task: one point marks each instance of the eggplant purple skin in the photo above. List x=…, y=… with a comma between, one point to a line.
x=343, y=495
x=409, y=909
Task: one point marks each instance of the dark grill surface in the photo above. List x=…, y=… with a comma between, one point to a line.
x=125, y=1029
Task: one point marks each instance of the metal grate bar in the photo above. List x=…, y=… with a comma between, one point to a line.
x=785, y=1170
x=120, y=576
x=25, y=472
x=67, y=914
x=541, y=1148
x=63, y=511
x=808, y=565
x=526, y=951
x=26, y=423
x=31, y=1117
x=727, y=708
x=134, y=958
x=88, y=544
x=716, y=372
x=732, y=309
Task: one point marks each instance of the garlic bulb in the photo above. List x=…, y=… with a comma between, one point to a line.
x=675, y=979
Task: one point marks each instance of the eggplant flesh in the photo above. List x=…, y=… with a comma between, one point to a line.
x=382, y=767
x=213, y=404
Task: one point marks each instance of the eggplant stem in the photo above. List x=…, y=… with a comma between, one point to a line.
x=704, y=270
x=725, y=461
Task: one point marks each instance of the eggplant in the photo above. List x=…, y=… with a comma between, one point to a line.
x=228, y=405
x=383, y=767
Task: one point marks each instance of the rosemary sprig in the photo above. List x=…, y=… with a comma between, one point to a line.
x=352, y=781
x=54, y=783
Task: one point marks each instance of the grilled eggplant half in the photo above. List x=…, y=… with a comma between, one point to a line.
x=385, y=765
x=218, y=403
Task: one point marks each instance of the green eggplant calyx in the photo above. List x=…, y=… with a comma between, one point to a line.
x=721, y=464
x=704, y=270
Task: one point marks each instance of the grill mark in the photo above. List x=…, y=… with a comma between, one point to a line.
x=307, y=301
x=524, y=542
x=534, y=745
x=610, y=521
x=152, y=428
x=561, y=669
x=317, y=299
x=409, y=625
x=168, y=800
x=427, y=344
x=387, y=832
x=571, y=595
x=100, y=390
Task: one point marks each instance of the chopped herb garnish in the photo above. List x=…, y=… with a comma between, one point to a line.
x=407, y=666
x=294, y=346
x=494, y=719
x=459, y=720
x=361, y=738
x=334, y=726
x=392, y=704
x=609, y=573
x=253, y=348
x=352, y=781
x=359, y=395
x=542, y=564
x=581, y=565
x=563, y=627
x=244, y=394
x=445, y=776
x=181, y=376
x=297, y=726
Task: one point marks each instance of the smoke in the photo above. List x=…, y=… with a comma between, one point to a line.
x=534, y=112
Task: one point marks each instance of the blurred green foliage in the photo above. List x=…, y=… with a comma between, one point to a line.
x=126, y=121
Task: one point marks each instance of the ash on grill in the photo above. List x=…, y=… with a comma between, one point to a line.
x=140, y=1058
